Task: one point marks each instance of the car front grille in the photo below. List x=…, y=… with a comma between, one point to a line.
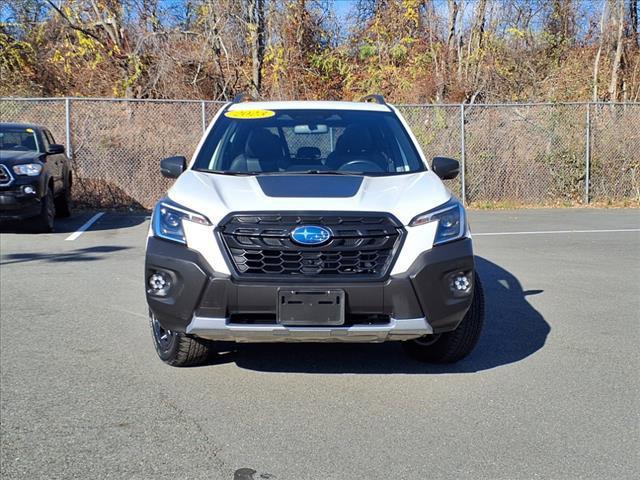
x=363, y=246
x=5, y=176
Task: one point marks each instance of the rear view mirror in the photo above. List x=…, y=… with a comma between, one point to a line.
x=173, y=167
x=309, y=129
x=54, y=149
x=446, y=168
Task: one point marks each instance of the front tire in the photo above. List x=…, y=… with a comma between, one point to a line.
x=44, y=222
x=450, y=347
x=178, y=349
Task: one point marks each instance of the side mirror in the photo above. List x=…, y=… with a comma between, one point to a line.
x=173, y=167
x=54, y=149
x=445, y=168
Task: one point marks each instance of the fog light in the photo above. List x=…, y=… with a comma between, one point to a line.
x=460, y=283
x=159, y=284
x=28, y=189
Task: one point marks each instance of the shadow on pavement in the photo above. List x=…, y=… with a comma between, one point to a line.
x=88, y=254
x=109, y=221
x=513, y=330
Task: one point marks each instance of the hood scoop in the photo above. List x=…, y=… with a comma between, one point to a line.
x=310, y=185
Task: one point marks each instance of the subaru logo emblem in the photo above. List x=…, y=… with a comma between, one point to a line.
x=310, y=235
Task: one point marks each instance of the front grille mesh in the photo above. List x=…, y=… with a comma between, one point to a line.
x=362, y=246
x=5, y=177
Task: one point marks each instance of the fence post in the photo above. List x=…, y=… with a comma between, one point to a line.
x=587, y=154
x=462, y=155
x=204, y=117
x=67, y=126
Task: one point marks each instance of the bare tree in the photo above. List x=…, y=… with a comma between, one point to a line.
x=410, y=50
x=474, y=45
x=451, y=22
x=255, y=26
x=596, y=62
x=633, y=23
x=451, y=37
x=561, y=22
x=617, y=60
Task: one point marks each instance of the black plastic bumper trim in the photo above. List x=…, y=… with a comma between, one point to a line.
x=420, y=292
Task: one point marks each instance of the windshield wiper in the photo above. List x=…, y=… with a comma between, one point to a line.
x=309, y=172
x=302, y=172
x=222, y=172
x=331, y=172
x=306, y=172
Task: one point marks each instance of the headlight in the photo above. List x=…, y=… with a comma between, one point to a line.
x=167, y=221
x=451, y=221
x=30, y=169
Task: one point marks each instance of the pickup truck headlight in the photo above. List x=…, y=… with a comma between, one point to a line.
x=167, y=221
x=451, y=220
x=29, y=169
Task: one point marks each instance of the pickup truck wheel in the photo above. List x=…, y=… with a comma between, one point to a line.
x=63, y=202
x=43, y=223
x=450, y=347
x=178, y=349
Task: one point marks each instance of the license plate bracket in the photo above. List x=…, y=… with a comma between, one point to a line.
x=311, y=307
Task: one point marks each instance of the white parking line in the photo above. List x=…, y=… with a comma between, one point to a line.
x=548, y=232
x=84, y=227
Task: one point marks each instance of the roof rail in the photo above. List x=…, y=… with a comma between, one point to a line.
x=243, y=97
x=375, y=98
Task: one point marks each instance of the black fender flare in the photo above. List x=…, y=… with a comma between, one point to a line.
x=44, y=183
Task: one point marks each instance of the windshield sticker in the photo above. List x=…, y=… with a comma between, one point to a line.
x=29, y=130
x=249, y=114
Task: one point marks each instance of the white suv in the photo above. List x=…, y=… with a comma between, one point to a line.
x=311, y=222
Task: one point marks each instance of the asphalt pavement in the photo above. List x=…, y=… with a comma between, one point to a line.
x=551, y=391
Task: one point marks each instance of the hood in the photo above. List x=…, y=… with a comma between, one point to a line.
x=15, y=157
x=214, y=196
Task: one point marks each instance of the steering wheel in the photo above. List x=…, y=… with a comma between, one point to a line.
x=360, y=166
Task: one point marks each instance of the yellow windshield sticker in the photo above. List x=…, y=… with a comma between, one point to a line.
x=249, y=114
x=29, y=130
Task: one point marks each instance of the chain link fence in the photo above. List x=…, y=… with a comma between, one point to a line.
x=614, y=152
x=438, y=131
x=117, y=147
x=524, y=154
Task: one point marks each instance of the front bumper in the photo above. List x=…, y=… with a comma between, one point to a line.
x=221, y=329
x=208, y=304
x=16, y=204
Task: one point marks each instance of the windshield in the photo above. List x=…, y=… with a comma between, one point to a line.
x=308, y=141
x=18, y=139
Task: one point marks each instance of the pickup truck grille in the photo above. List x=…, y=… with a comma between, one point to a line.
x=362, y=247
x=5, y=176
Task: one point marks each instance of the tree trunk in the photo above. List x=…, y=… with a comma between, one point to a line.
x=255, y=26
x=613, y=86
x=435, y=53
x=451, y=38
x=596, y=63
x=633, y=13
x=453, y=15
x=477, y=34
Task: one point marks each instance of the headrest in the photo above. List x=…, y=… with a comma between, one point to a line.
x=308, y=153
x=261, y=143
x=355, y=139
x=29, y=142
